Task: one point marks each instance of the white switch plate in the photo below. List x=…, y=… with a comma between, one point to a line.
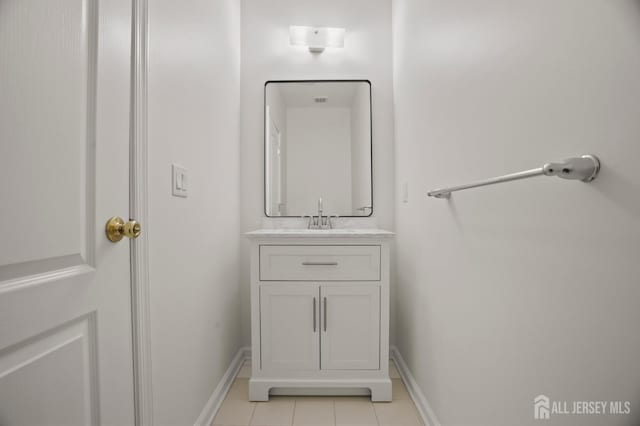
x=179, y=181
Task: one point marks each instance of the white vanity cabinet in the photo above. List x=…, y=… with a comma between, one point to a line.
x=320, y=313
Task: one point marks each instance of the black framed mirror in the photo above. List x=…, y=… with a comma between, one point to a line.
x=318, y=144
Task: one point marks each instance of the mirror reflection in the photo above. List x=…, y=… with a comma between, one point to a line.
x=318, y=145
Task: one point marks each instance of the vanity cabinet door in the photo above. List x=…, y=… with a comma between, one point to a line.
x=290, y=327
x=350, y=327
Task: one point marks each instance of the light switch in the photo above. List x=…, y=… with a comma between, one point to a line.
x=178, y=181
x=184, y=180
x=405, y=192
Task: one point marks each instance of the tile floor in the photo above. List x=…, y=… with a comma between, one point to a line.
x=236, y=410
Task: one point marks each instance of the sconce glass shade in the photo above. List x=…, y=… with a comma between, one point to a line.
x=317, y=39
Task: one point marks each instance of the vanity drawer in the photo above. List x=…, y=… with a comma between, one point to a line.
x=319, y=263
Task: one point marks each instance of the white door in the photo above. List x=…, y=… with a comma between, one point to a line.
x=350, y=327
x=65, y=307
x=289, y=327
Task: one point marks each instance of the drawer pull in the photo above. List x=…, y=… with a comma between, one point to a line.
x=314, y=314
x=319, y=263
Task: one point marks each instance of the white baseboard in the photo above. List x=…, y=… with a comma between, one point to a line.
x=215, y=401
x=426, y=412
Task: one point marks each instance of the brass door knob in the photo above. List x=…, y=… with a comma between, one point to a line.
x=117, y=228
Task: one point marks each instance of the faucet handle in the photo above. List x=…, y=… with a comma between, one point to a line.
x=309, y=219
x=329, y=220
x=314, y=221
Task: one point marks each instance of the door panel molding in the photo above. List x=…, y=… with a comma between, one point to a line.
x=64, y=344
x=91, y=19
x=65, y=247
x=22, y=275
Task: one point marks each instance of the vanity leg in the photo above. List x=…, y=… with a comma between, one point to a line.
x=381, y=392
x=258, y=391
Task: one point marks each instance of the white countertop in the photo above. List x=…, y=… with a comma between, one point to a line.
x=320, y=233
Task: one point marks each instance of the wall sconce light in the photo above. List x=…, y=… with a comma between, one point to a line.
x=316, y=38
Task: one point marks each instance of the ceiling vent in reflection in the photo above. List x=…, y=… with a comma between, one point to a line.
x=321, y=99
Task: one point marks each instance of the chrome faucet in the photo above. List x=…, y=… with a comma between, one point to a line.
x=320, y=221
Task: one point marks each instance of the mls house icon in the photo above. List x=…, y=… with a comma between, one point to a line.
x=541, y=407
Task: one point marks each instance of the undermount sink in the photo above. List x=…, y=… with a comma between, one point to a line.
x=328, y=233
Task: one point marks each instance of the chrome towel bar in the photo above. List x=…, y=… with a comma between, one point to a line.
x=584, y=168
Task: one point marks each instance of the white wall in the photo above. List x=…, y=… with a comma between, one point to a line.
x=266, y=55
x=194, y=69
x=319, y=159
x=531, y=287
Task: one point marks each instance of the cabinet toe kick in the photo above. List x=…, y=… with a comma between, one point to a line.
x=261, y=388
